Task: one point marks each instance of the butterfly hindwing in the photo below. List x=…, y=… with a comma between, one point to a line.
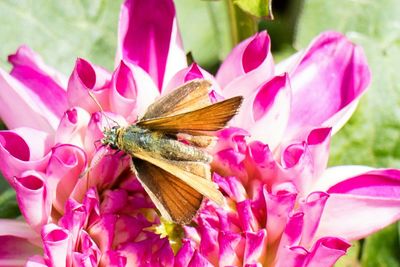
x=175, y=200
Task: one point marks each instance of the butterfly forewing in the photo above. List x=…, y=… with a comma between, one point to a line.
x=207, y=119
x=190, y=96
x=175, y=200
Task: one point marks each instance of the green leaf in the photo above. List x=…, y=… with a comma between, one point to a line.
x=60, y=31
x=8, y=204
x=258, y=8
x=382, y=249
x=372, y=136
x=205, y=31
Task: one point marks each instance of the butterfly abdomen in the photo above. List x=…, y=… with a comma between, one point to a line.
x=135, y=140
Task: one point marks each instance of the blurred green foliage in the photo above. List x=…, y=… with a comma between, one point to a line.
x=61, y=31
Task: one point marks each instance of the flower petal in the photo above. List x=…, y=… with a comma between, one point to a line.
x=327, y=251
x=67, y=162
x=132, y=91
x=247, y=66
x=57, y=245
x=361, y=205
x=187, y=74
x=15, y=251
x=265, y=113
x=44, y=82
x=33, y=198
x=22, y=107
x=152, y=42
x=72, y=127
x=330, y=77
x=23, y=149
x=84, y=78
x=256, y=247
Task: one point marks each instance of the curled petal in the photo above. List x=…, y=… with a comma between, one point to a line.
x=103, y=231
x=327, y=251
x=43, y=82
x=84, y=78
x=72, y=127
x=23, y=149
x=184, y=255
x=265, y=113
x=256, y=247
x=151, y=42
x=361, y=205
x=132, y=91
x=247, y=66
x=199, y=260
x=57, y=245
x=187, y=74
x=279, y=206
x=230, y=245
x=33, y=198
x=36, y=261
x=261, y=163
x=66, y=164
x=330, y=77
x=313, y=207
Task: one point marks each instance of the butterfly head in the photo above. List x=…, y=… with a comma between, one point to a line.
x=111, y=137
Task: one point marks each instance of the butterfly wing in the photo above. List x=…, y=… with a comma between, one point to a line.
x=190, y=96
x=197, y=122
x=176, y=201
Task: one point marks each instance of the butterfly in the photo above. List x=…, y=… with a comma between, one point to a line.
x=167, y=146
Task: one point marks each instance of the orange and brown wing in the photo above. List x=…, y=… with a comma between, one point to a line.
x=207, y=119
x=176, y=201
x=190, y=96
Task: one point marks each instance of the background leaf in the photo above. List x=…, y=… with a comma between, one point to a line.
x=258, y=8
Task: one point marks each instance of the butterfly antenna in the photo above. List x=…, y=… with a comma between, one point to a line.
x=108, y=119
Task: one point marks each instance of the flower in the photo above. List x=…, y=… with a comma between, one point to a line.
x=283, y=206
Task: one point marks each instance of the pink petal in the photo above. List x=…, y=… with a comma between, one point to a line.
x=103, y=232
x=152, y=42
x=84, y=78
x=247, y=218
x=66, y=164
x=184, y=255
x=36, y=261
x=256, y=247
x=318, y=141
x=72, y=127
x=23, y=149
x=113, y=259
x=15, y=251
x=327, y=251
x=361, y=205
x=33, y=199
x=16, y=228
x=331, y=76
x=57, y=245
x=230, y=244
x=292, y=256
x=279, y=205
x=192, y=72
x=247, y=66
x=26, y=57
x=41, y=80
x=132, y=91
x=312, y=207
x=199, y=261
x=265, y=112
x=260, y=160
x=74, y=218
x=20, y=106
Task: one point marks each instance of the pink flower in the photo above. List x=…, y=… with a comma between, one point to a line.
x=283, y=206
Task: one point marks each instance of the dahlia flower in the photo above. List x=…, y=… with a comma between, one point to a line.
x=82, y=205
